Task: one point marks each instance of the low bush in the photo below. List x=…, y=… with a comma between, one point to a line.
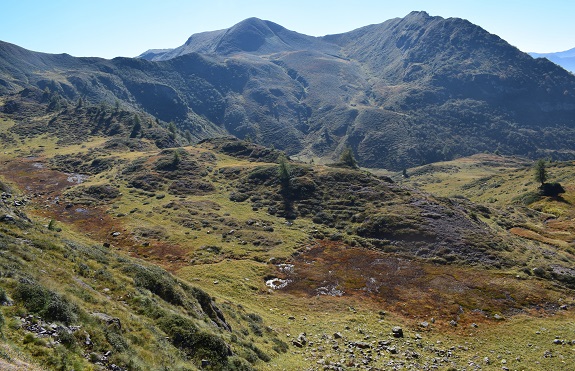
x=185, y=335
x=45, y=303
x=157, y=281
x=3, y=296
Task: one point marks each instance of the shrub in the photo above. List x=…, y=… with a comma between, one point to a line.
x=59, y=309
x=280, y=346
x=527, y=198
x=34, y=297
x=44, y=302
x=3, y=296
x=254, y=317
x=238, y=364
x=116, y=341
x=199, y=344
x=66, y=338
x=157, y=281
x=256, y=329
x=261, y=355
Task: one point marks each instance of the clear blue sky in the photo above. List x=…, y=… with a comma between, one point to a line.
x=110, y=28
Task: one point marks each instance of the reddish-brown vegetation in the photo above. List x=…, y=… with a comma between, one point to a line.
x=412, y=288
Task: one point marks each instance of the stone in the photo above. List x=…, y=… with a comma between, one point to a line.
x=397, y=332
x=109, y=320
x=362, y=345
x=337, y=335
x=297, y=343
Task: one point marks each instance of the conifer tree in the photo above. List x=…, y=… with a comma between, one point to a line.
x=284, y=173
x=540, y=172
x=348, y=159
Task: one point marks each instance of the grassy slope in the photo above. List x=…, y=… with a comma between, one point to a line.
x=209, y=257
x=507, y=184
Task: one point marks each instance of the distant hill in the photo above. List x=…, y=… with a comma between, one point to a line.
x=565, y=59
x=402, y=93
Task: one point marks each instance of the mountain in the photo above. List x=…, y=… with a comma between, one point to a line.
x=253, y=35
x=136, y=233
x=564, y=59
x=406, y=92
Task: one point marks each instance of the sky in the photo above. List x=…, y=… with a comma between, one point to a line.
x=111, y=28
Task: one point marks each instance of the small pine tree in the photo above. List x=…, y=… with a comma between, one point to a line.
x=540, y=172
x=348, y=159
x=176, y=159
x=188, y=136
x=284, y=172
x=136, y=128
x=172, y=129
x=55, y=104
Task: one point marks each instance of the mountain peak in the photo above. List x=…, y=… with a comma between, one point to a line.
x=418, y=14
x=249, y=36
x=252, y=35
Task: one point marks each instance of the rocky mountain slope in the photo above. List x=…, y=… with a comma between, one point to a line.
x=402, y=93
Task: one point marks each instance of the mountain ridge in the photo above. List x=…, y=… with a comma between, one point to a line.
x=565, y=59
x=402, y=93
